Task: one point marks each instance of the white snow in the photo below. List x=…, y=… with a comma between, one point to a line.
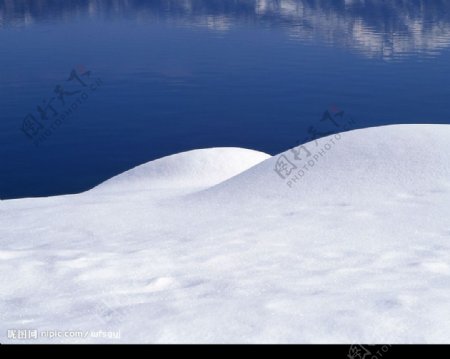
x=213, y=246
x=198, y=168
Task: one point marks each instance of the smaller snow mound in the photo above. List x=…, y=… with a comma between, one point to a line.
x=197, y=168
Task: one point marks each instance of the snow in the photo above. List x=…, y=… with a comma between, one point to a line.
x=198, y=168
x=213, y=246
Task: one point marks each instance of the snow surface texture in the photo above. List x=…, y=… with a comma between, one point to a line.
x=214, y=246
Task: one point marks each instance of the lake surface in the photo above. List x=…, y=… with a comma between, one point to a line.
x=92, y=88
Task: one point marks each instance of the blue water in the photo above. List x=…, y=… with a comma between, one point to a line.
x=153, y=78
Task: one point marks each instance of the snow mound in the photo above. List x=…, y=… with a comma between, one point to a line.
x=197, y=168
x=355, y=165
x=240, y=247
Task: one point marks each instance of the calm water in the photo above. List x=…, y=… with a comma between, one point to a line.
x=153, y=78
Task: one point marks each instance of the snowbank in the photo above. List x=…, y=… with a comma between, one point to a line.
x=198, y=168
x=344, y=240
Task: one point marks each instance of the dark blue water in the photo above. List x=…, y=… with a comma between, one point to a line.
x=119, y=83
